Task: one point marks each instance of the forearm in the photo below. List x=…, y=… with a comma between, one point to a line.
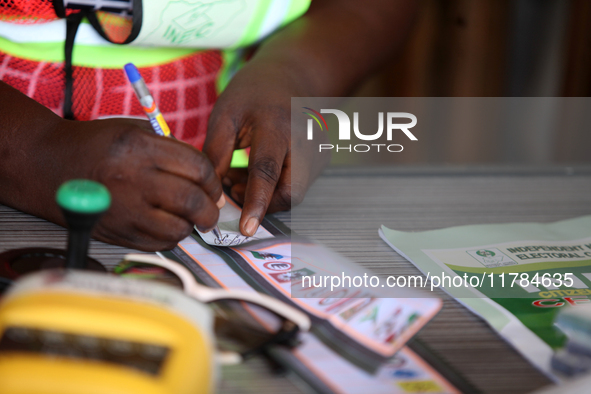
x=337, y=43
x=24, y=126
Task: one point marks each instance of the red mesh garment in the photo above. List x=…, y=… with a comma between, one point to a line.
x=184, y=89
x=28, y=11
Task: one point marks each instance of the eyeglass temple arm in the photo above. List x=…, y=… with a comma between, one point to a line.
x=207, y=294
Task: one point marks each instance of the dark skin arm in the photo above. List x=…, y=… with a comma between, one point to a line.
x=326, y=53
x=160, y=187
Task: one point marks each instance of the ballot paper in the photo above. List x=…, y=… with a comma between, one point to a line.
x=516, y=276
x=228, y=223
x=322, y=366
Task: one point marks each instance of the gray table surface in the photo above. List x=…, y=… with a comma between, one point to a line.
x=353, y=204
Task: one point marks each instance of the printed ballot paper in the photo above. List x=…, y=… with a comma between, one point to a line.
x=228, y=223
x=517, y=276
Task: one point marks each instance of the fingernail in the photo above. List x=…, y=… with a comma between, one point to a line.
x=227, y=181
x=221, y=202
x=251, y=226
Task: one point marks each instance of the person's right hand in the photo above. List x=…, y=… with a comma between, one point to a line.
x=160, y=187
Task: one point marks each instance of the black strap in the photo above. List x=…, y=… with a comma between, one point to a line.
x=72, y=24
x=58, y=6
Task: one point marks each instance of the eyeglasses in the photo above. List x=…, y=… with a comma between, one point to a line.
x=18, y=262
x=246, y=322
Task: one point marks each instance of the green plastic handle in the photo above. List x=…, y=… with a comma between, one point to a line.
x=83, y=196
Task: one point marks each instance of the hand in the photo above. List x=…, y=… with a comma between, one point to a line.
x=254, y=111
x=160, y=187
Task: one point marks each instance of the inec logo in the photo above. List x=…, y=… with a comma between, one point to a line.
x=491, y=257
x=392, y=125
x=485, y=253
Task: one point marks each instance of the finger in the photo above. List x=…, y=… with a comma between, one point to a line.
x=165, y=154
x=292, y=186
x=220, y=142
x=182, y=198
x=264, y=170
x=281, y=199
x=185, y=161
x=141, y=123
x=163, y=228
x=237, y=192
x=154, y=230
x=289, y=192
x=235, y=176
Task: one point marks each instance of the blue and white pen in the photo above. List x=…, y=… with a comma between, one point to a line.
x=146, y=100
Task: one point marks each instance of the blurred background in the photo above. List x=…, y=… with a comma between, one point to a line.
x=496, y=48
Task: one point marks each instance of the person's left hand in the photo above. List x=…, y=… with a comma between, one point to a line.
x=254, y=111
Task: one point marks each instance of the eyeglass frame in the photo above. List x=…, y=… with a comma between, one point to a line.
x=207, y=294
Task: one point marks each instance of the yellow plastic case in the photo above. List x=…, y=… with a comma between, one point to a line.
x=78, y=332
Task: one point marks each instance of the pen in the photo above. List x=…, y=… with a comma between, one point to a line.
x=151, y=109
x=146, y=100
